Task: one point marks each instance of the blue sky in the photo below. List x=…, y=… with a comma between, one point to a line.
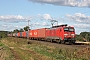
x=14, y=14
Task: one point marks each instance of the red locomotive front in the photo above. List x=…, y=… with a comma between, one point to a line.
x=69, y=34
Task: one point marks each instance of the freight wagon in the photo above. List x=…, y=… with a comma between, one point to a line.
x=39, y=34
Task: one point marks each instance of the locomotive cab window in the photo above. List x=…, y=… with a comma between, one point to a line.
x=68, y=29
x=71, y=29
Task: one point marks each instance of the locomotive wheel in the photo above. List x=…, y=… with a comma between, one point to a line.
x=51, y=40
x=62, y=42
x=59, y=41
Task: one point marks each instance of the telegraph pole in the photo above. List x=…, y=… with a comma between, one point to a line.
x=28, y=24
x=28, y=30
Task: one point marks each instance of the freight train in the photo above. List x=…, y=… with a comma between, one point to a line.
x=60, y=34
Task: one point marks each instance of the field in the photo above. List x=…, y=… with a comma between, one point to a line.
x=12, y=48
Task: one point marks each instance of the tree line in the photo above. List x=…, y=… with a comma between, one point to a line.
x=83, y=36
x=21, y=30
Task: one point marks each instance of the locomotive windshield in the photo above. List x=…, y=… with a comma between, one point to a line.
x=68, y=29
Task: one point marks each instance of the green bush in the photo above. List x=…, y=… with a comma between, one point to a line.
x=3, y=34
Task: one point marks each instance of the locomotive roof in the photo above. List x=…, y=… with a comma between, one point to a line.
x=59, y=26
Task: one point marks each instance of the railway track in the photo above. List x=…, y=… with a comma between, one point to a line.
x=72, y=46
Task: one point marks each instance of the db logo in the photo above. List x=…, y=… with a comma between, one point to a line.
x=30, y=33
x=35, y=33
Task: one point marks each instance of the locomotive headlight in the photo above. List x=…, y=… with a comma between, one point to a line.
x=72, y=35
x=65, y=35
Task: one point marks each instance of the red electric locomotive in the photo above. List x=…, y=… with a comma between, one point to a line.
x=61, y=34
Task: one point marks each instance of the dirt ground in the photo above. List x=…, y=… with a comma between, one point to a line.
x=1, y=53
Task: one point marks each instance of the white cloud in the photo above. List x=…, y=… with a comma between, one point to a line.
x=74, y=3
x=11, y=17
x=45, y=24
x=82, y=26
x=79, y=18
x=14, y=18
x=37, y=24
x=5, y=27
x=47, y=17
x=19, y=18
x=40, y=24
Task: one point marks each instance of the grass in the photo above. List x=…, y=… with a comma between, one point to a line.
x=19, y=46
x=55, y=53
x=5, y=52
x=37, y=51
